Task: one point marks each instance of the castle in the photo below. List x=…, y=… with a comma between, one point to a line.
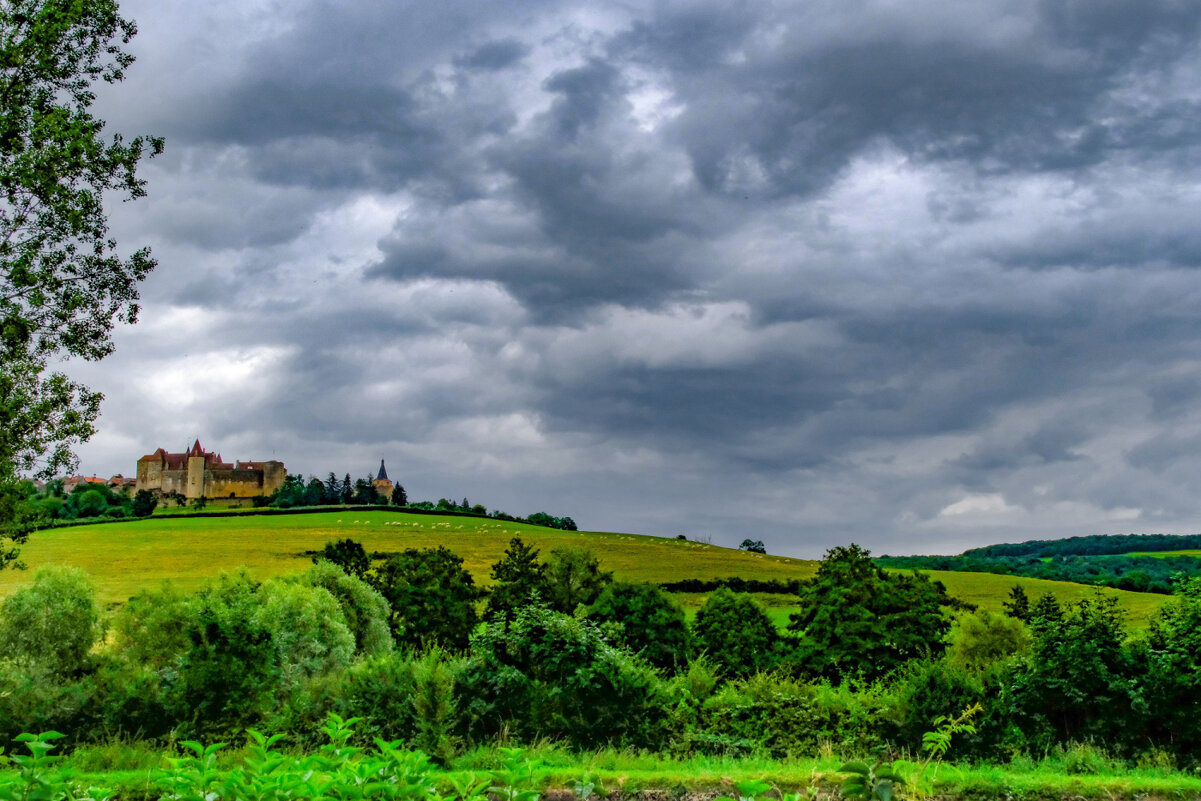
x=202, y=474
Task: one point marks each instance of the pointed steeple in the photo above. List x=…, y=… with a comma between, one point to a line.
x=383, y=474
x=196, y=449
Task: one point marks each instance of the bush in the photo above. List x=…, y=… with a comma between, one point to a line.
x=736, y=633
x=364, y=609
x=981, y=639
x=228, y=677
x=306, y=626
x=348, y=555
x=51, y=624
x=151, y=628
x=550, y=675
x=644, y=619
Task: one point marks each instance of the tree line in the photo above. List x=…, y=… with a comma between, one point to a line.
x=296, y=491
x=1137, y=573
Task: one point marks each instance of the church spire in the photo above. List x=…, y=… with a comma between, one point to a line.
x=383, y=474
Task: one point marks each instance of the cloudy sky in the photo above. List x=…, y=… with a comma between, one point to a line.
x=920, y=275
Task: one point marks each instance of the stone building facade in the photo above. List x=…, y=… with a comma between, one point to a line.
x=202, y=474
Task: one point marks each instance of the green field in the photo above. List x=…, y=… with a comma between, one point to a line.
x=124, y=558
x=1162, y=554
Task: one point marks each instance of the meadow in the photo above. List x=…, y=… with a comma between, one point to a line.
x=124, y=558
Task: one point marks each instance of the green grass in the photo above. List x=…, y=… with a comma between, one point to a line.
x=1162, y=554
x=126, y=557
x=629, y=773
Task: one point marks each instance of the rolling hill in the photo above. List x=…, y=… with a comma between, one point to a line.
x=126, y=557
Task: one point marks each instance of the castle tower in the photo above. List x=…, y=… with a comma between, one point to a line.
x=383, y=485
x=195, y=486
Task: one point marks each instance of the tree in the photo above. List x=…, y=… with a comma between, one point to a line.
x=754, y=546
x=573, y=577
x=1018, y=605
x=399, y=496
x=63, y=285
x=644, y=619
x=857, y=618
x=519, y=577
x=735, y=632
x=346, y=554
x=51, y=624
x=432, y=598
x=144, y=503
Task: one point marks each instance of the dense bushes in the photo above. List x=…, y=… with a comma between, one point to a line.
x=283, y=654
x=550, y=675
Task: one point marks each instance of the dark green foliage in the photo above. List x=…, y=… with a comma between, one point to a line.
x=646, y=620
x=1018, y=605
x=228, y=676
x=573, y=577
x=1172, y=658
x=399, y=496
x=857, y=619
x=431, y=596
x=519, y=578
x=348, y=555
x=736, y=634
x=144, y=503
x=550, y=521
x=754, y=546
x=926, y=689
x=550, y=675
x=1089, y=561
x=783, y=717
x=1078, y=683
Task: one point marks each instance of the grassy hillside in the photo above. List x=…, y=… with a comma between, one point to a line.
x=124, y=558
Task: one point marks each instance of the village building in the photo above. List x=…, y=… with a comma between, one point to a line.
x=198, y=473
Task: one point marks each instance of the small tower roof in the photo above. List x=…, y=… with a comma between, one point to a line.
x=383, y=474
x=196, y=449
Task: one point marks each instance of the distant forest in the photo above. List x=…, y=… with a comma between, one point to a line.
x=1101, y=560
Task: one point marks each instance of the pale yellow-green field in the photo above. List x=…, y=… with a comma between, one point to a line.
x=124, y=558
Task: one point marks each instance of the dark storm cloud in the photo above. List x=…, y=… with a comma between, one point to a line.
x=889, y=271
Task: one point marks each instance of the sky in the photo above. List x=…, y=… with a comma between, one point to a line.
x=918, y=275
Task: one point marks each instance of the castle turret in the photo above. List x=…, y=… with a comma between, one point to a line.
x=383, y=485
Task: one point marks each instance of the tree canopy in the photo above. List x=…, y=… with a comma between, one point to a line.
x=63, y=283
x=857, y=618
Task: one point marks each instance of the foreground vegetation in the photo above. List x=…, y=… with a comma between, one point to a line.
x=873, y=662
x=262, y=769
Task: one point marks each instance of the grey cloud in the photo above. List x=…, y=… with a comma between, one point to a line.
x=494, y=55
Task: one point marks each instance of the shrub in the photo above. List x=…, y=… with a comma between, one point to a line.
x=364, y=609
x=306, y=626
x=51, y=624
x=229, y=675
x=735, y=632
x=380, y=690
x=980, y=639
x=151, y=628
x=644, y=619
x=550, y=675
